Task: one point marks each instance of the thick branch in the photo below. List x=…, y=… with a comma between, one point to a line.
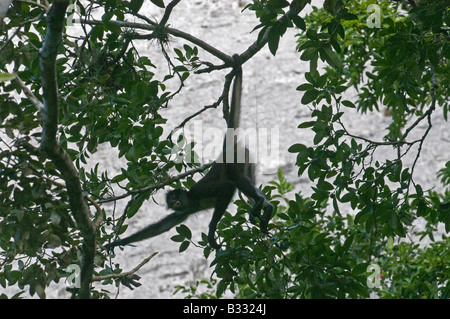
x=48, y=52
x=205, y=46
x=51, y=147
x=177, y=33
x=168, y=11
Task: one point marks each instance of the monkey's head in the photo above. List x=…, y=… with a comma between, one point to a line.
x=177, y=199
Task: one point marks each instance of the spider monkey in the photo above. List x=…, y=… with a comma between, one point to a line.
x=216, y=188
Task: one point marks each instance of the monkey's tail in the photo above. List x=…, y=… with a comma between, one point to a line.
x=153, y=230
x=235, y=107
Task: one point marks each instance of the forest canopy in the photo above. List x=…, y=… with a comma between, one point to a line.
x=63, y=96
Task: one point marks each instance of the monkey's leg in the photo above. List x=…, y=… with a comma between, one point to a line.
x=225, y=191
x=261, y=203
x=246, y=186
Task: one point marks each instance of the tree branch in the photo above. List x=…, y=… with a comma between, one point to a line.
x=174, y=32
x=190, y=117
x=48, y=52
x=124, y=274
x=167, y=12
x=427, y=114
x=51, y=147
x=205, y=46
x=16, y=32
x=37, y=103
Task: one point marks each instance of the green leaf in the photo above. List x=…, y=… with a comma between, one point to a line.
x=299, y=22
x=331, y=58
x=330, y=6
x=336, y=206
x=185, y=76
x=390, y=242
x=135, y=205
x=178, y=238
x=360, y=269
x=337, y=116
x=309, y=96
x=114, y=28
x=159, y=3
x=305, y=87
x=184, y=245
x=274, y=40
x=278, y=4
x=6, y=77
x=392, y=220
x=348, y=242
x=349, y=16
x=184, y=231
x=309, y=54
x=97, y=32
x=135, y=5
x=179, y=54
x=307, y=124
x=348, y=104
x=324, y=185
x=297, y=148
x=107, y=16
x=157, y=132
x=419, y=190
x=447, y=224
x=221, y=287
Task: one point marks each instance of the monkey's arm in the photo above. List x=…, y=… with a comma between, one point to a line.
x=152, y=230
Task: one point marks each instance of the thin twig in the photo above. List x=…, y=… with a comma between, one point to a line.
x=171, y=65
x=36, y=102
x=214, y=105
x=99, y=219
x=124, y=274
x=149, y=21
x=210, y=67
x=37, y=18
x=428, y=113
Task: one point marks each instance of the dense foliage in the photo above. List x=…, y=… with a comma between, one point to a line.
x=361, y=210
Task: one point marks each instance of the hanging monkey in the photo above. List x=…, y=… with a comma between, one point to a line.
x=216, y=188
